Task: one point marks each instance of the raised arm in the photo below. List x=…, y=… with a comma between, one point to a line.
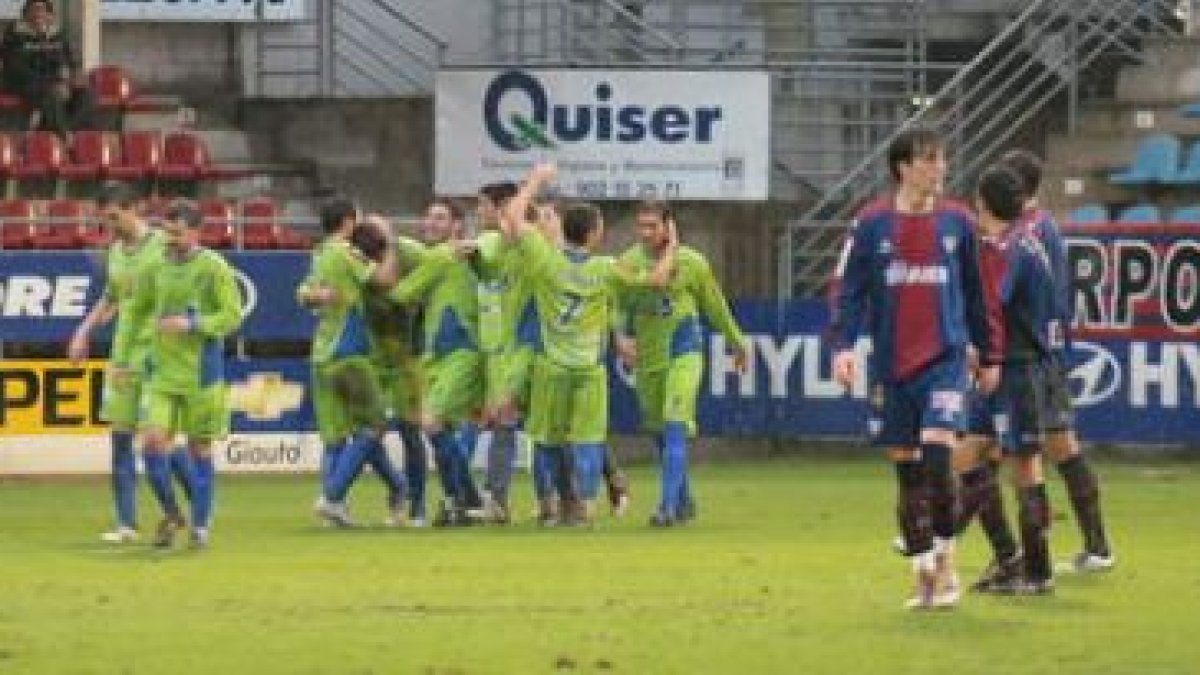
x=514, y=216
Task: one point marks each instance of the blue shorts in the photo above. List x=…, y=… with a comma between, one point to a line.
x=980, y=414
x=1033, y=399
x=934, y=399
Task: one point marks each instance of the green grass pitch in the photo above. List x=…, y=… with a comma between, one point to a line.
x=787, y=571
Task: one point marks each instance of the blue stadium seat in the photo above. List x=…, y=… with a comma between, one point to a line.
x=1189, y=173
x=1191, y=110
x=1155, y=161
x=1088, y=214
x=1186, y=214
x=1140, y=214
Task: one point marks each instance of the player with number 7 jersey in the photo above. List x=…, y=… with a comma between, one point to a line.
x=574, y=291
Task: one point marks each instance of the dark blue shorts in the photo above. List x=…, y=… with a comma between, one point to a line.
x=1033, y=400
x=934, y=399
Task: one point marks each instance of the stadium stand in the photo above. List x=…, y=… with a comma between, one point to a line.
x=1140, y=214
x=1186, y=215
x=1156, y=161
x=1088, y=214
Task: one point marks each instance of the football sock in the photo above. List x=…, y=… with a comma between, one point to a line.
x=1084, y=490
x=990, y=507
x=415, y=467
x=447, y=455
x=349, y=465
x=329, y=459
x=381, y=463
x=543, y=472
x=1035, y=525
x=124, y=478
x=912, y=508
x=939, y=481
x=502, y=453
x=158, y=470
x=203, y=490
x=674, y=467
x=182, y=469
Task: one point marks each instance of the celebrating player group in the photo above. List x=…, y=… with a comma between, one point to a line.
x=967, y=309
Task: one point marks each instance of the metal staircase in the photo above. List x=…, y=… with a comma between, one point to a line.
x=1042, y=55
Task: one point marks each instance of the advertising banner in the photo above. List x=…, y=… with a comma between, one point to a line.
x=615, y=134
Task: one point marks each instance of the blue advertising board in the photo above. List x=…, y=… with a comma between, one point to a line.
x=1137, y=352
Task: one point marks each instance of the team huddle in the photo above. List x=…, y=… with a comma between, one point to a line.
x=436, y=338
x=508, y=330
x=968, y=312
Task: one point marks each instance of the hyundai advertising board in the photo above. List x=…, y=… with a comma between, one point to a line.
x=614, y=134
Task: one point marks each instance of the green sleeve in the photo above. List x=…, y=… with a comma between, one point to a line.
x=137, y=315
x=410, y=252
x=225, y=314
x=714, y=306
x=416, y=284
x=354, y=265
x=536, y=253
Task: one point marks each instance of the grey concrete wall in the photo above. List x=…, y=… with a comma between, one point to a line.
x=185, y=59
x=378, y=151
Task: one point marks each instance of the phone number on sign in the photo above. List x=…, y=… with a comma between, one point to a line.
x=628, y=190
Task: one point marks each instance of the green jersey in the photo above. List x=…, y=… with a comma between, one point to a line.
x=127, y=267
x=341, y=324
x=394, y=329
x=574, y=294
x=507, y=310
x=204, y=289
x=446, y=287
x=666, y=322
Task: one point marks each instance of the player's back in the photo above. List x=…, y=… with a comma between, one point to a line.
x=127, y=267
x=1032, y=321
x=573, y=292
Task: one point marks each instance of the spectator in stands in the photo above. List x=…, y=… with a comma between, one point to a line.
x=40, y=67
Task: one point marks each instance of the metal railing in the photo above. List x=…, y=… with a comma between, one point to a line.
x=348, y=48
x=1042, y=54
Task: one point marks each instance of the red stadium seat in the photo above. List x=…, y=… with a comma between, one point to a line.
x=92, y=154
x=185, y=157
x=141, y=155
x=64, y=225
x=111, y=86
x=9, y=157
x=43, y=156
x=16, y=223
x=260, y=224
x=11, y=102
x=217, y=230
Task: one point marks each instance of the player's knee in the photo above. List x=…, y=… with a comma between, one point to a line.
x=1061, y=446
x=944, y=437
x=1027, y=469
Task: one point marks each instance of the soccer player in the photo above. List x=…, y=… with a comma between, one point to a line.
x=574, y=292
x=446, y=288
x=1062, y=444
x=504, y=304
x=193, y=303
x=391, y=329
x=909, y=273
x=347, y=398
x=132, y=260
x=669, y=350
x=1019, y=267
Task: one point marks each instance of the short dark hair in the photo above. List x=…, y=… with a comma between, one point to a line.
x=578, y=222
x=368, y=240
x=1000, y=190
x=500, y=192
x=334, y=212
x=186, y=212
x=451, y=205
x=117, y=193
x=1028, y=168
x=910, y=144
